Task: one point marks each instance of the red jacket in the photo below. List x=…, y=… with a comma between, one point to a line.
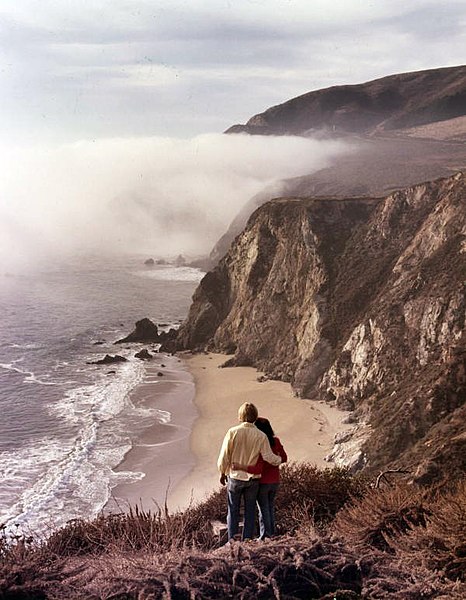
x=269, y=473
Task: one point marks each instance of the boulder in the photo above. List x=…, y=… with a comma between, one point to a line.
x=145, y=331
x=164, y=336
x=168, y=340
x=149, y=262
x=108, y=359
x=143, y=354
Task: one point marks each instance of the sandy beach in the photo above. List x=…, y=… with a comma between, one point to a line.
x=177, y=459
x=305, y=427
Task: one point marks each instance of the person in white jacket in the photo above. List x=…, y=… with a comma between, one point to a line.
x=242, y=445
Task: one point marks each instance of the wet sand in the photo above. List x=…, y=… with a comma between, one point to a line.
x=161, y=454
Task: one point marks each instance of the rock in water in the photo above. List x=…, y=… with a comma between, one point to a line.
x=149, y=262
x=168, y=340
x=143, y=354
x=145, y=331
x=108, y=360
x=180, y=261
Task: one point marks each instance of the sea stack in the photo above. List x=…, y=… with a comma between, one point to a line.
x=145, y=331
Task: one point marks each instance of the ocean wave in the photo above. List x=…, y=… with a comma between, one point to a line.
x=170, y=273
x=104, y=399
x=24, y=346
x=160, y=416
x=57, y=480
x=54, y=480
x=29, y=376
x=163, y=416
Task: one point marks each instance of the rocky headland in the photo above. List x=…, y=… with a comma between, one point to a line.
x=360, y=302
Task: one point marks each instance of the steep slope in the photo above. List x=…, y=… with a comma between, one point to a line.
x=358, y=301
x=393, y=102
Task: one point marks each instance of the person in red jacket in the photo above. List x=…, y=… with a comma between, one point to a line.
x=269, y=481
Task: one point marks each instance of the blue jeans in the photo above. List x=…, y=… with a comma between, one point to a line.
x=248, y=490
x=266, y=503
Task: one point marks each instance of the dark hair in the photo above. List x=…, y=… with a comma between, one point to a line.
x=264, y=425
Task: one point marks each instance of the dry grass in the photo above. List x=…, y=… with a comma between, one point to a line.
x=382, y=515
x=440, y=544
x=307, y=494
x=287, y=567
x=134, y=531
x=312, y=494
x=402, y=542
x=411, y=540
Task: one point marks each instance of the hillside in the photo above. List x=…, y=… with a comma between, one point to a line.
x=404, y=129
x=359, y=302
x=395, y=102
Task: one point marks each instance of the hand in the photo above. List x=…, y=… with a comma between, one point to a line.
x=223, y=479
x=239, y=467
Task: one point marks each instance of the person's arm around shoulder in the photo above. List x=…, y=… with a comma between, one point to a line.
x=267, y=454
x=253, y=469
x=281, y=450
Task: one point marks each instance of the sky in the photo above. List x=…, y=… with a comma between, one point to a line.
x=86, y=69
x=112, y=111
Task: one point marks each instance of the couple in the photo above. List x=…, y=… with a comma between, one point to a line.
x=249, y=460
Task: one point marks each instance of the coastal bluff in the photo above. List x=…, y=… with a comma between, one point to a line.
x=357, y=301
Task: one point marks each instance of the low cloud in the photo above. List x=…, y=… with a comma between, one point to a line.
x=79, y=70
x=154, y=195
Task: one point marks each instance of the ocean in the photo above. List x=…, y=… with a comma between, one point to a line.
x=65, y=425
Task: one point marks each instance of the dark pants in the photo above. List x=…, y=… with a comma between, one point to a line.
x=266, y=503
x=248, y=490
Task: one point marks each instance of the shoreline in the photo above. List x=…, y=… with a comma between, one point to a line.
x=160, y=453
x=306, y=428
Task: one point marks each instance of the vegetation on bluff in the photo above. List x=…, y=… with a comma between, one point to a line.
x=341, y=538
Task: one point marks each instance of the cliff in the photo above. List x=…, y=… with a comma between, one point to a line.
x=358, y=301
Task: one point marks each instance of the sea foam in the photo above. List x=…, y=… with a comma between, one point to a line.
x=170, y=273
x=56, y=480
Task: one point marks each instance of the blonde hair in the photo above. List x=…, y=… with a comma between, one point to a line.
x=247, y=412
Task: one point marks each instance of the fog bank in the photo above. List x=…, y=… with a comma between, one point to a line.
x=154, y=195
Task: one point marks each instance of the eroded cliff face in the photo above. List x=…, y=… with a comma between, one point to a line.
x=357, y=301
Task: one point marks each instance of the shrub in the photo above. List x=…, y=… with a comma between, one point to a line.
x=441, y=544
x=381, y=516
x=309, y=494
x=306, y=494
x=134, y=531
